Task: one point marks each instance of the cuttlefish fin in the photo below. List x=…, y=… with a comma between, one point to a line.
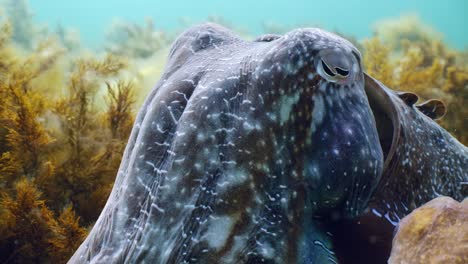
x=408, y=97
x=435, y=109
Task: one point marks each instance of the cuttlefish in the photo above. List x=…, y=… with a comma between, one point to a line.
x=245, y=151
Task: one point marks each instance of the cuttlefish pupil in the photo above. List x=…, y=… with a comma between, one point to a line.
x=334, y=67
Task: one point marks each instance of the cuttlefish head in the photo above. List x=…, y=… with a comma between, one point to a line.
x=343, y=158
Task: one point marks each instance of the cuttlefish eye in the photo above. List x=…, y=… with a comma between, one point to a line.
x=335, y=66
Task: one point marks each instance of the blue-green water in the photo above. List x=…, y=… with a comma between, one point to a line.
x=92, y=17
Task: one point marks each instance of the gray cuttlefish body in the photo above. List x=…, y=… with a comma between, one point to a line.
x=242, y=148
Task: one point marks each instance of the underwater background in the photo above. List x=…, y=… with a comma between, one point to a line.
x=74, y=73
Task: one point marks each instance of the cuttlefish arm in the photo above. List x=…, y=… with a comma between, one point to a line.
x=422, y=160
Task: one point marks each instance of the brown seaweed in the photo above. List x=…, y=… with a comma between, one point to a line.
x=59, y=151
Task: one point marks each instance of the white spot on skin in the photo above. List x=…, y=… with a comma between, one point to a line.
x=318, y=113
x=336, y=151
x=231, y=178
x=218, y=232
x=287, y=103
x=267, y=251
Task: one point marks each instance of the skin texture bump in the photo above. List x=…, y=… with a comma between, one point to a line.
x=243, y=149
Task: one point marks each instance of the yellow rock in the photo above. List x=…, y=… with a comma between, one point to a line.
x=437, y=232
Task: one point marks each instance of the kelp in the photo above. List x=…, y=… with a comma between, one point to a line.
x=59, y=150
x=27, y=33
x=20, y=111
x=428, y=68
x=394, y=32
x=69, y=37
x=26, y=225
x=67, y=235
x=20, y=15
x=119, y=113
x=82, y=136
x=134, y=40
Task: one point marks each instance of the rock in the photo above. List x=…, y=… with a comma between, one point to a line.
x=436, y=232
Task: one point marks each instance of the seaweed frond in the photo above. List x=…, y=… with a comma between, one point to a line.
x=407, y=55
x=57, y=145
x=27, y=224
x=119, y=113
x=415, y=76
x=5, y=53
x=21, y=110
x=84, y=137
x=5, y=34
x=456, y=85
x=377, y=61
x=134, y=40
x=25, y=135
x=407, y=27
x=20, y=16
x=68, y=235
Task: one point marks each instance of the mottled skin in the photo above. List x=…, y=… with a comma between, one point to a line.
x=244, y=149
x=424, y=160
